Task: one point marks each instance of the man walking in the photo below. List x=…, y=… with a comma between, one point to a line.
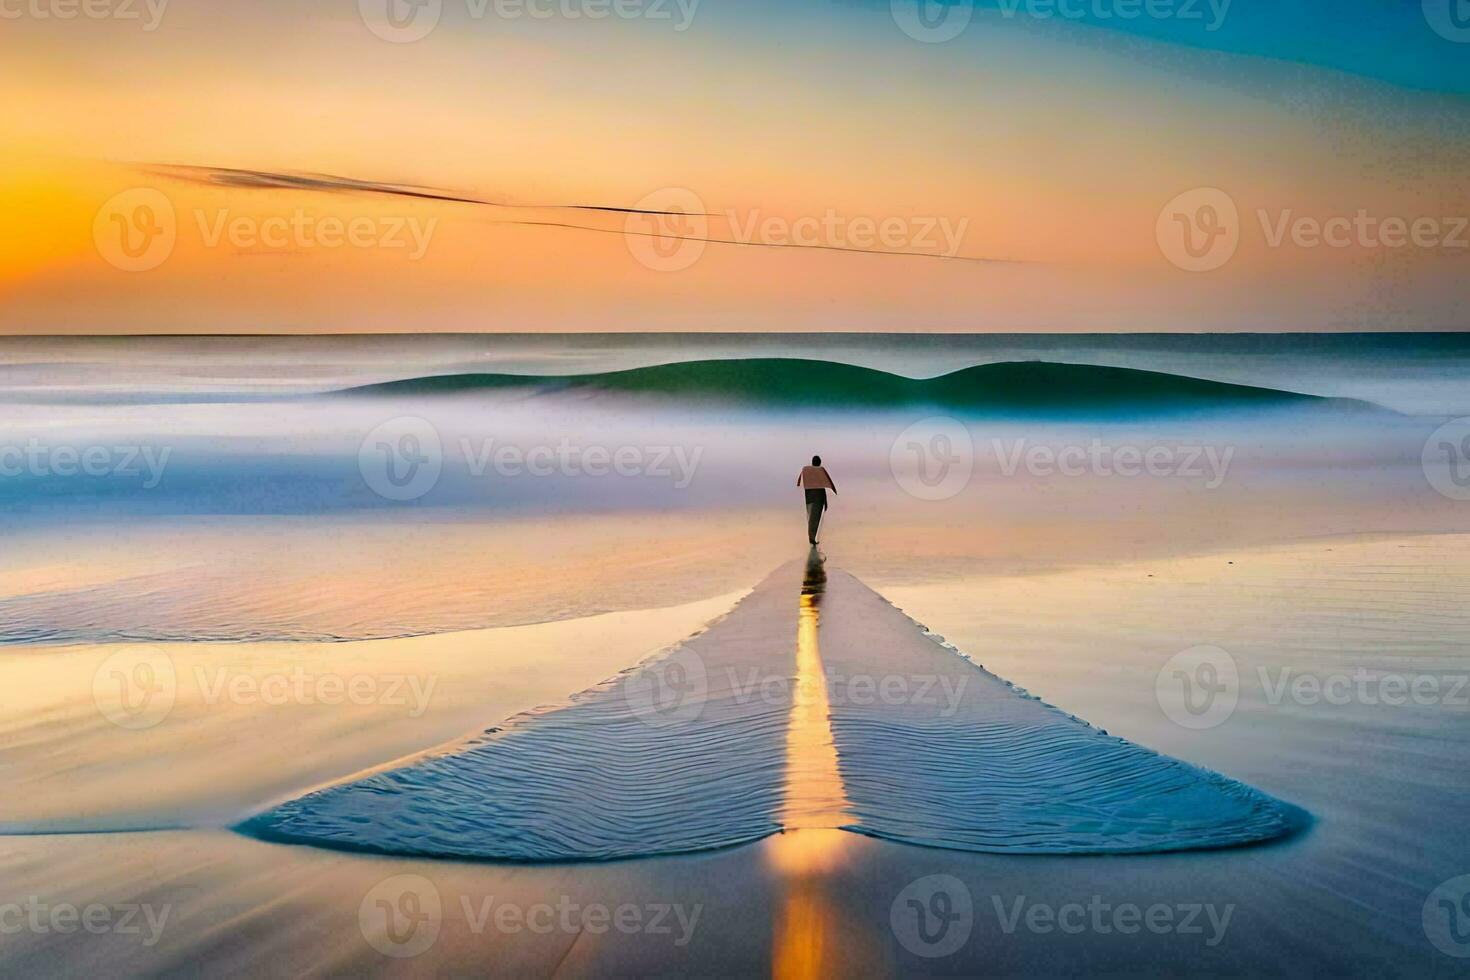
x=816, y=481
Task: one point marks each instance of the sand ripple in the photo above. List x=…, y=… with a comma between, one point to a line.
x=665, y=758
x=957, y=757
x=688, y=751
x=1042, y=790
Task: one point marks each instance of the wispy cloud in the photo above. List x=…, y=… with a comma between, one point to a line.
x=234, y=177
x=332, y=183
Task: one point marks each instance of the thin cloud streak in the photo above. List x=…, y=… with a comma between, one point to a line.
x=331, y=183
x=798, y=245
x=234, y=177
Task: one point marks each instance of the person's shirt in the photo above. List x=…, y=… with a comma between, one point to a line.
x=815, y=478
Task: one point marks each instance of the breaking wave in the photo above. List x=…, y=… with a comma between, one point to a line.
x=1032, y=387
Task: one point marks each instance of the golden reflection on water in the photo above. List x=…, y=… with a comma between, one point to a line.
x=807, y=929
x=814, y=792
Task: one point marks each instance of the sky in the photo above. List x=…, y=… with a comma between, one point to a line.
x=202, y=166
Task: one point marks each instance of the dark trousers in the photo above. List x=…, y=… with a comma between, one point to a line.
x=816, y=502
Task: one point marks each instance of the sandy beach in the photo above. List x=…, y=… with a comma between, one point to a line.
x=1344, y=894
x=736, y=489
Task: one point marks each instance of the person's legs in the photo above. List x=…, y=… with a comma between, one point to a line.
x=813, y=519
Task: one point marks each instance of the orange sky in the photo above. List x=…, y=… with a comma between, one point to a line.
x=1052, y=147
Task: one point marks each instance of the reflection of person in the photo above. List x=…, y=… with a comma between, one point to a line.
x=814, y=582
x=816, y=481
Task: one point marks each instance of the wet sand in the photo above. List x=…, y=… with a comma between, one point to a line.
x=235, y=726
x=1382, y=782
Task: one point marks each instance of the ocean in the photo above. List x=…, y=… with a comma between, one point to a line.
x=229, y=521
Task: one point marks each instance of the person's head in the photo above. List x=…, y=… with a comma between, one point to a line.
x=816, y=461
